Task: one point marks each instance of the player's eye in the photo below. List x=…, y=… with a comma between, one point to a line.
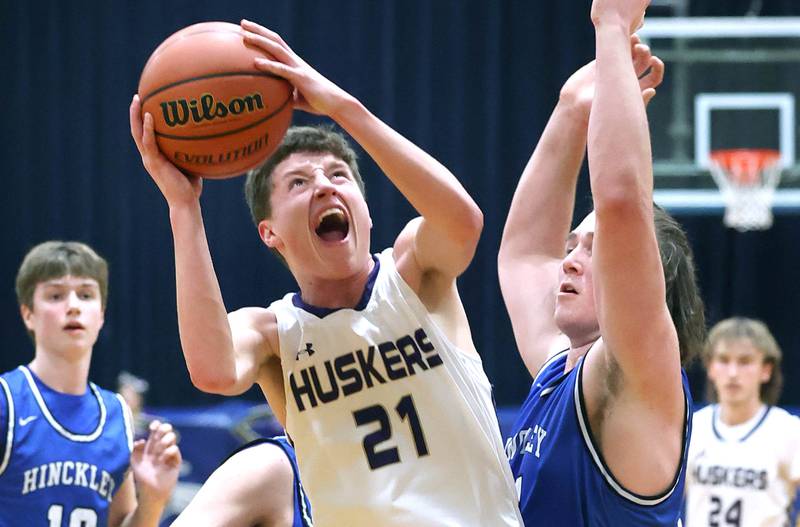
x=339, y=174
x=296, y=182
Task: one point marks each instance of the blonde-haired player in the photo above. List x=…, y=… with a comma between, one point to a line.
x=744, y=459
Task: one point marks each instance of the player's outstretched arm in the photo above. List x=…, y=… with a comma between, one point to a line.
x=254, y=487
x=214, y=364
x=536, y=229
x=538, y=221
x=629, y=281
x=155, y=464
x=445, y=240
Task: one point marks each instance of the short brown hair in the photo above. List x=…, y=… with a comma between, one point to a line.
x=54, y=259
x=760, y=337
x=258, y=186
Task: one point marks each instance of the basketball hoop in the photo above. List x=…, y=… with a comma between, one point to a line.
x=747, y=179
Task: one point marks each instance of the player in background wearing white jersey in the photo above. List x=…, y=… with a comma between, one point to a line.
x=371, y=366
x=65, y=444
x=744, y=459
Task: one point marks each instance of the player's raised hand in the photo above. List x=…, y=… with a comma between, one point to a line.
x=314, y=93
x=155, y=463
x=173, y=184
x=578, y=90
x=629, y=13
x=649, y=68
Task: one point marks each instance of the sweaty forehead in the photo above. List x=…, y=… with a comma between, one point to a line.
x=584, y=231
x=308, y=161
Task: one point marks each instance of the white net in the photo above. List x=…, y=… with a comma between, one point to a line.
x=747, y=180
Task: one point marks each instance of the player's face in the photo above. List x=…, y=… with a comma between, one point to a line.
x=575, y=312
x=67, y=315
x=737, y=370
x=320, y=220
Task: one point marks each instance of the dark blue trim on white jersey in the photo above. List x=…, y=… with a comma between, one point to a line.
x=322, y=312
x=597, y=455
x=715, y=416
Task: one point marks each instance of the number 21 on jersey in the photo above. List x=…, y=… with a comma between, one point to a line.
x=405, y=409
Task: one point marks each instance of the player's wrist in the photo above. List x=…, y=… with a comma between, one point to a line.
x=184, y=210
x=151, y=503
x=612, y=21
x=346, y=109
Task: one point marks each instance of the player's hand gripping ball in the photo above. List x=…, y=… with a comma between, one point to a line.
x=215, y=115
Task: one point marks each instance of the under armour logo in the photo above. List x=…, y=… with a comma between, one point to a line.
x=308, y=351
x=26, y=420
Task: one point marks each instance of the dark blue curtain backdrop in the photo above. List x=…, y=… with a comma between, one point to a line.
x=472, y=82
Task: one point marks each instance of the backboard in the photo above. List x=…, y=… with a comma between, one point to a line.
x=730, y=83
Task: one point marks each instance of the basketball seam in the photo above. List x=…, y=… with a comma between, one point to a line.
x=210, y=76
x=229, y=132
x=159, y=50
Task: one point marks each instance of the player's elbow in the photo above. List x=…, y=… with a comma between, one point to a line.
x=620, y=197
x=216, y=382
x=470, y=227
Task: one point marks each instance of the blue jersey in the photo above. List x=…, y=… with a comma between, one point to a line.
x=302, y=507
x=62, y=457
x=559, y=470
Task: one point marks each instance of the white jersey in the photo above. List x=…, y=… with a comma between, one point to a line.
x=742, y=475
x=393, y=425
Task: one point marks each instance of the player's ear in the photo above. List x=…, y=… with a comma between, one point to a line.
x=26, y=314
x=267, y=235
x=766, y=372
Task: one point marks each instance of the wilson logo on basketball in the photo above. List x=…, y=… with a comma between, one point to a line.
x=179, y=112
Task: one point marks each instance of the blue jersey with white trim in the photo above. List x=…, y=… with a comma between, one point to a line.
x=302, y=507
x=62, y=457
x=559, y=471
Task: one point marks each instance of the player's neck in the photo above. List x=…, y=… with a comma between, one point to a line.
x=733, y=414
x=576, y=351
x=62, y=374
x=335, y=293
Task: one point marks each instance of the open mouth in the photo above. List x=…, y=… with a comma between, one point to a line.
x=332, y=225
x=567, y=288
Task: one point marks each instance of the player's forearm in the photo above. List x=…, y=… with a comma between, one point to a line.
x=541, y=211
x=427, y=184
x=202, y=320
x=619, y=144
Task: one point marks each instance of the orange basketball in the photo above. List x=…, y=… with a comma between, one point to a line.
x=215, y=114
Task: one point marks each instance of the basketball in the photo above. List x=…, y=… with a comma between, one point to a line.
x=214, y=114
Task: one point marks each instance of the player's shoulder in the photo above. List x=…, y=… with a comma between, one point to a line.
x=780, y=417
x=254, y=315
x=265, y=461
x=10, y=376
x=262, y=321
